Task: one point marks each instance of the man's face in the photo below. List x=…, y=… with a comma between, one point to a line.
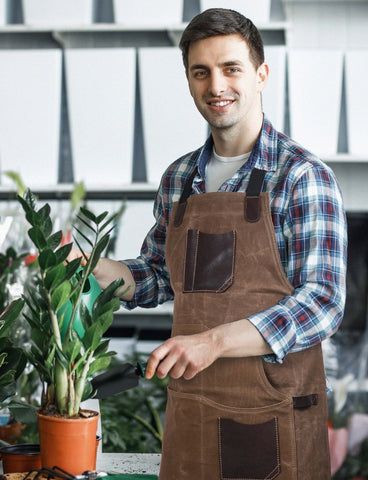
x=223, y=82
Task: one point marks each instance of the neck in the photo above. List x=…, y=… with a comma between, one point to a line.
x=237, y=140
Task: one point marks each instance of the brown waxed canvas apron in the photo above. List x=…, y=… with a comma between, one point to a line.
x=241, y=418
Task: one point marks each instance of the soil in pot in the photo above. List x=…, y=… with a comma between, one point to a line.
x=20, y=458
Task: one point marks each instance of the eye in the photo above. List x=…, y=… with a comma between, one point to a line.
x=200, y=73
x=233, y=70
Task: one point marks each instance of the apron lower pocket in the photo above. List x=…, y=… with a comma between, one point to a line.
x=207, y=440
x=249, y=450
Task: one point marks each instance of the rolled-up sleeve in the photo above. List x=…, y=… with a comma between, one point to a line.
x=149, y=270
x=315, y=233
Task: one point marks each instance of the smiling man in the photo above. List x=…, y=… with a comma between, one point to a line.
x=250, y=241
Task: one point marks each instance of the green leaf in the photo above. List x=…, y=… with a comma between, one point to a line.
x=99, y=364
x=55, y=239
x=47, y=228
x=88, y=214
x=110, y=220
x=87, y=224
x=8, y=388
x=37, y=238
x=72, y=267
x=84, y=237
x=102, y=348
x=9, y=315
x=44, y=211
x=84, y=315
x=101, y=217
x=92, y=336
x=54, y=276
x=87, y=393
x=73, y=349
x=60, y=296
x=78, y=194
x=63, y=252
x=23, y=412
x=17, y=179
x=46, y=259
x=29, y=199
x=62, y=359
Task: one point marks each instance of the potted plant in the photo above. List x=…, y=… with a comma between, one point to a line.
x=12, y=359
x=12, y=363
x=15, y=458
x=66, y=362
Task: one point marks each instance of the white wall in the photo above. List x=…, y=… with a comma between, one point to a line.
x=338, y=25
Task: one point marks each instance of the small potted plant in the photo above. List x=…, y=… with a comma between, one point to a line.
x=15, y=458
x=66, y=362
x=12, y=359
x=11, y=362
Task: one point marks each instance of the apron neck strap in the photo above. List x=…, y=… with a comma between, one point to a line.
x=255, y=184
x=252, y=202
x=183, y=198
x=252, y=206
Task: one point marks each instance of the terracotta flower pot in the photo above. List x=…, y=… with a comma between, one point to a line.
x=68, y=443
x=20, y=458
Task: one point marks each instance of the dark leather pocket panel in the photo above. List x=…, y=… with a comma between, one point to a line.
x=209, y=261
x=249, y=451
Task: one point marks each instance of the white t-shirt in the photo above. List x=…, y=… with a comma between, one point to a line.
x=219, y=169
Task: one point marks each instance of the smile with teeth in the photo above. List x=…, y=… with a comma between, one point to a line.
x=223, y=103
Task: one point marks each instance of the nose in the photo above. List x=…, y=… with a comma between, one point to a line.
x=217, y=84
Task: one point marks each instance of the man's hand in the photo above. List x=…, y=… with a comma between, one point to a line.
x=186, y=355
x=182, y=356
x=108, y=270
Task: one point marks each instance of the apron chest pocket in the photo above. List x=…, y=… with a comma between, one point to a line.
x=209, y=261
x=249, y=451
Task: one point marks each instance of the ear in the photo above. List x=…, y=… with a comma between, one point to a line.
x=262, y=76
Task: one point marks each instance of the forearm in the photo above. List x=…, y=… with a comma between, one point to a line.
x=238, y=339
x=187, y=355
x=108, y=270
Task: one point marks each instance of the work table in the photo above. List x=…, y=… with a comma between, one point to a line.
x=148, y=463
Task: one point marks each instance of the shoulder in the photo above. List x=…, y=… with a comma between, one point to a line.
x=177, y=173
x=296, y=164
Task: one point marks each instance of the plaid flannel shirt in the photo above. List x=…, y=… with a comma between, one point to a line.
x=310, y=225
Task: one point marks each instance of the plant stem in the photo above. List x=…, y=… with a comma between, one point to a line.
x=81, y=382
x=142, y=421
x=155, y=416
x=61, y=375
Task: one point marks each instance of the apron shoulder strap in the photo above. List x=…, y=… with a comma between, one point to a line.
x=183, y=198
x=252, y=202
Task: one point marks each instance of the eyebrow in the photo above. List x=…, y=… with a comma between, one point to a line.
x=228, y=63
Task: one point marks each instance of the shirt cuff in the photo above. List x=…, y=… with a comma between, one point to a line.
x=133, y=267
x=276, y=331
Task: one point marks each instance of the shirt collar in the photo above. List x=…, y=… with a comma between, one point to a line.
x=263, y=156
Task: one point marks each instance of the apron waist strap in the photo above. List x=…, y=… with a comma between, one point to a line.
x=305, y=401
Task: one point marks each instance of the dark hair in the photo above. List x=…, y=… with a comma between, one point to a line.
x=222, y=21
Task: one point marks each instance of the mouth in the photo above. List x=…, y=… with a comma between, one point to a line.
x=220, y=105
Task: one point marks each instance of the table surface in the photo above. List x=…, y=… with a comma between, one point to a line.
x=148, y=463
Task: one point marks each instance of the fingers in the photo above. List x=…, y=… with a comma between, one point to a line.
x=75, y=253
x=153, y=362
x=182, y=356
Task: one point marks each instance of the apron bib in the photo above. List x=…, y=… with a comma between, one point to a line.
x=241, y=418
